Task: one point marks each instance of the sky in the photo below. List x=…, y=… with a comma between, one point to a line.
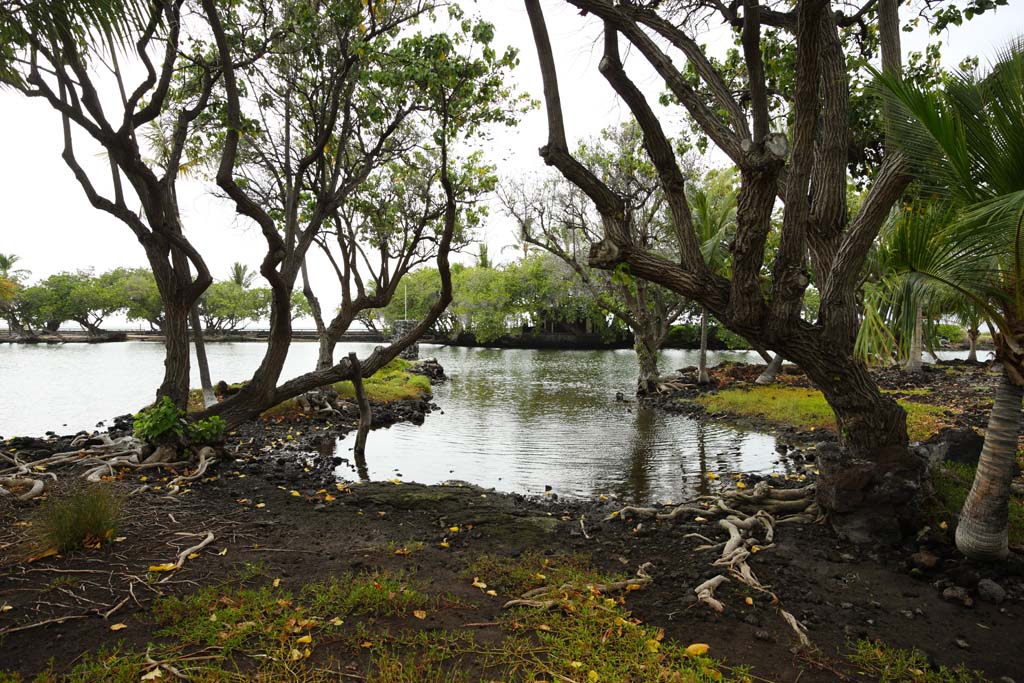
x=48, y=222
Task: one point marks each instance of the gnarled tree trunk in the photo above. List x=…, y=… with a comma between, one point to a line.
x=647, y=357
x=982, y=533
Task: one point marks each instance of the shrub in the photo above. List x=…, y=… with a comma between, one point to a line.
x=164, y=420
x=210, y=430
x=86, y=518
x=160, y=421
x=954, y=334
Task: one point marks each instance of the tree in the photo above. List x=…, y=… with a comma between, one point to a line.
x=556, y=217
x=420, y=290
x=241, y=275
x=58, y=52
x=140, y=296
x=967, y=144
x=11, y=284
x=226, y=306
x=345, y=90
x=870, y=484
x=79, y=297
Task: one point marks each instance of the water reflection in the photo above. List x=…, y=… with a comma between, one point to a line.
x=521, y=420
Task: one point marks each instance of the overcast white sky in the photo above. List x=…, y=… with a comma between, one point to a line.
x=47, y=221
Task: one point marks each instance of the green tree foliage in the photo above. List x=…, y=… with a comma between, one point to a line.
x=79, y=297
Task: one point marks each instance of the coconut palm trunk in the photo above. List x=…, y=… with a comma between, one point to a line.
x=982, y=533
x=702, y=371
x=770, y=372
x=972, y=337
x=914, y=358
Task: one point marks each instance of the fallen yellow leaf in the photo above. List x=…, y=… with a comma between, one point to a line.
x=296, y=494
x=749, y=600
x=543, y=627
x=337, y=621
x=419, y=614
x=153, y=675
x=445, y=544
x=403, y=551
x=479, y=584
x=118, y=627
x=165, y=567
x=453, y=529
x=711, y=475
x=329, y=498
x=224, y=552
x=277, y=582
x=492, y=593
x=593, y=676
x=698, y=649
x=740, y=485
x=653, y=645
x=295, y=655
x=366, y=644
x=261, y=505
x=305, y=639
x=193, y=556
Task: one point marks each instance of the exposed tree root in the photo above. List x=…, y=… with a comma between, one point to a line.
x=750, y=518
x=542, y=597
x=103, y=460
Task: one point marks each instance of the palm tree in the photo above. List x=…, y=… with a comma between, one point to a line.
x=7, y=269
x=713, y=208
x=241, y=275
x=967, y=143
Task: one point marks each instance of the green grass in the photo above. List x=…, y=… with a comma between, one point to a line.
x=515, y=576
x=951, y=483
x=391, y=383
x=807, y=409
x=893, y=665
x=88, y=517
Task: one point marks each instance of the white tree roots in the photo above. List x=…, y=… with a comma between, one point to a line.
x=28, y=480
x=750, y=518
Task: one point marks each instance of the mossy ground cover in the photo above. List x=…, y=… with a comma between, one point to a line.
x=806, y=409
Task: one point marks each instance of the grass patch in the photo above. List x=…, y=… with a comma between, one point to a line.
x=258, y=618
x=807, y=409
x=893, y=665
x=951, y=483
x=88, y=517
x=391, y=383
x=533, y=569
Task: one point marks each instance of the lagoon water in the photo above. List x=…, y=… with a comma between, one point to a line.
x=515, y=420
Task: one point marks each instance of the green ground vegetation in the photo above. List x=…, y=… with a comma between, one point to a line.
x=893, y=665
x=86, y=518
x=255, y=627
x=391, y=383
x=807, y=409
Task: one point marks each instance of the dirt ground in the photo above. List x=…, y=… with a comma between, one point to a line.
x=283, y=516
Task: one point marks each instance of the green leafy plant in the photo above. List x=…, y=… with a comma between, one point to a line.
x=210, y=430
x=86, y=518
x=162, y=420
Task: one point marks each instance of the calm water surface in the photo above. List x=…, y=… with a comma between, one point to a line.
x=515, y=420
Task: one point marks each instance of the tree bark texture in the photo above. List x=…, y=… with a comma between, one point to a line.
x=982, y=532
x=365, y=413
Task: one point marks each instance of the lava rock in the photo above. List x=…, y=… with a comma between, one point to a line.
x=990, y=591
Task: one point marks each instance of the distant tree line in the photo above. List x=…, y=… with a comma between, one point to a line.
x=90, y=299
